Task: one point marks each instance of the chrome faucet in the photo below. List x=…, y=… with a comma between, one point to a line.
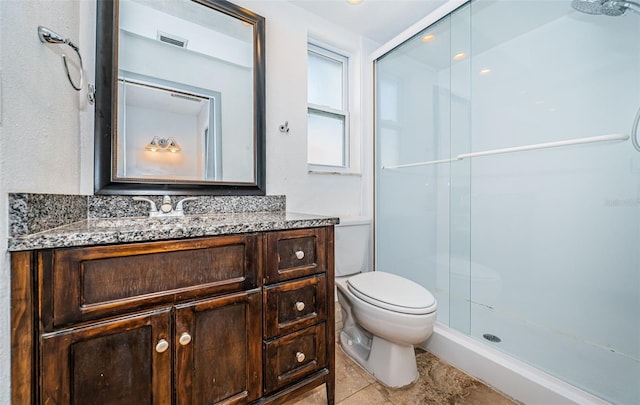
x=166, y=208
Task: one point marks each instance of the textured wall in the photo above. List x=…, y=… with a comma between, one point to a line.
x=40, y=137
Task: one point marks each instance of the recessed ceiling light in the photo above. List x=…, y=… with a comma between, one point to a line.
x=428, y=38
x=354, y=1
x=485, y=71
x=459, y=56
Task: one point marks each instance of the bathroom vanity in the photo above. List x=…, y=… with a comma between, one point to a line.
x=225, y=317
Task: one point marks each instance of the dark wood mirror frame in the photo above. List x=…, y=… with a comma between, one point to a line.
x=106, y=102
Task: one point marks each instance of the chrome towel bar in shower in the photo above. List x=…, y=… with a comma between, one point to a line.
x=48, y=36
x=547, y=145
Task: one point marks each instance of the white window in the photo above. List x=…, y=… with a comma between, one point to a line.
x=328, y=109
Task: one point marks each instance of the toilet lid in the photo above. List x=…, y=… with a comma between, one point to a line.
x=395, y=293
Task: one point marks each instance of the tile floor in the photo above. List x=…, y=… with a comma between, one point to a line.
x=439, y=383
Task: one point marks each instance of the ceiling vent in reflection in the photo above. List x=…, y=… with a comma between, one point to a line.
x=186, y=97
x=172, y=39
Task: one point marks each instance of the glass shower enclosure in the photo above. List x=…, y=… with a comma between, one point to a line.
x=507, y=183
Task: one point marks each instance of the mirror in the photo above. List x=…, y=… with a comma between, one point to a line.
x=179, y=98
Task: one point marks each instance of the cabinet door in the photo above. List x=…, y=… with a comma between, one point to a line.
x=121, y=362
x=218, y=350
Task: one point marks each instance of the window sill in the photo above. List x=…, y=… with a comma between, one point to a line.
x=334, y=172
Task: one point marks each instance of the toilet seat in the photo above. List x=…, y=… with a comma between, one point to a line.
x=391, y=292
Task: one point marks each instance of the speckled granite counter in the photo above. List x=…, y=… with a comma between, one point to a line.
x=43, y=221
x=123, y=230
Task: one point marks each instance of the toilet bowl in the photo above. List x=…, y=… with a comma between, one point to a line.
x=384, y=315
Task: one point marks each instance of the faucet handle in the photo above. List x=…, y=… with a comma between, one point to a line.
x=166, y=206
x=179, y=204
x=153, y=210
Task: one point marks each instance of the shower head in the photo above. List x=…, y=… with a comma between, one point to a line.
x=617, y=8
x=612, y=8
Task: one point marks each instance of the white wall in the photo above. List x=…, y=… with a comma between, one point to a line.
x=46, y=129
x=145, y=123
x=144, y=20
x=287, y=29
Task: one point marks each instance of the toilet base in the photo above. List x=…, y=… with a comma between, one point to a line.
x=392, y=364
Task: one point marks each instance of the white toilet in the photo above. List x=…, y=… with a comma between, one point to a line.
x=384, y=315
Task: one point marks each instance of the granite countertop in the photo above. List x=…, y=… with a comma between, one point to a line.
x=103, y=231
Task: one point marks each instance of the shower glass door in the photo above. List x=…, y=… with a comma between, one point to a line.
x=536, y=248
x=414, y=125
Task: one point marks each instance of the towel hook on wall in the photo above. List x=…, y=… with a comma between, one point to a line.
x=47, y=35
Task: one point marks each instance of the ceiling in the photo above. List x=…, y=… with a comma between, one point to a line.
x=379, y=20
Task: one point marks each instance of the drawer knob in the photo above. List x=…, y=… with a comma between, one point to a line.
x=299, y=305
x=162, y=346
x=185, y=339
x=300, y=254
x=300, y=357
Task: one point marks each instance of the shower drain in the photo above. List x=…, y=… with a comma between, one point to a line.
x=492, y=338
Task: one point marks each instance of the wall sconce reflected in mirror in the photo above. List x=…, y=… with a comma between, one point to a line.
x=158, y=144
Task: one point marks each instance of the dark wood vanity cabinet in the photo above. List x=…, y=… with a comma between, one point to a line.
x=214, y=320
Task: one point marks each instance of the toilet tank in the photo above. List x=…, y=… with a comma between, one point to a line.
x=352, y=244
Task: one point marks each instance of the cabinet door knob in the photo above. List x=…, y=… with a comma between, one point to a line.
x=185, y=339
x=300, y=254
x=299, y=305
x=300, y=357
x=162, y=346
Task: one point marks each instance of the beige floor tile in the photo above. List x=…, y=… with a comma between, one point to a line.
x=348, y=382
x=439, y=383
x=343, y=358
x=338, y=330
x=318, y=396
x=367, y=396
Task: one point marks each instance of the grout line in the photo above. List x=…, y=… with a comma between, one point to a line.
x=354, y=393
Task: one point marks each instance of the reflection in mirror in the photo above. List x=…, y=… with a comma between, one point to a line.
x=150, y=115
x=188, y=79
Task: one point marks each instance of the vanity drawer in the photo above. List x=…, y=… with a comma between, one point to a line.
x=294, y=305
x=92, y=282
x=294, y=356
x=295, y=253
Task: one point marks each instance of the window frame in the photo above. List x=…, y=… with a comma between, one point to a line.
x=344, y=58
